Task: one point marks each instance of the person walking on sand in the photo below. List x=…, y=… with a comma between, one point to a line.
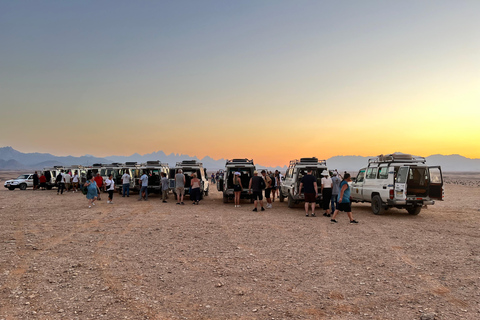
x=92, y=191
x=326, y=190
x=309, y=183
x=180, y=186
x=255, y=187
x=268, y=188
x=344, y=200
x=195, y=192
x=335, y=190
x=126, y=184
x=110, y=186
x=144, y=188
x=164, y=181
x=237, y=188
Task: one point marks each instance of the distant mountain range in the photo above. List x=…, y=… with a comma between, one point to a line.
x=11, y=159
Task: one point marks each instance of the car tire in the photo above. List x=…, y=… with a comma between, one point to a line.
x=11, y=188
x=225, y=199
x=291, y=202
x=281, y=197
x=23, y=186
x=206, y=193
x=49, y=187
x=414, y=210
x=377, y=206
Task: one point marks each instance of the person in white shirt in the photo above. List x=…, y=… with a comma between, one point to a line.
x=75, y=181
x=326, y=190
x=110, y=185
x=67, y=178
x=126, y=183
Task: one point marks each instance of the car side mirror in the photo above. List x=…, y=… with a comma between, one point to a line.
x=283, y=178
x=354, y=179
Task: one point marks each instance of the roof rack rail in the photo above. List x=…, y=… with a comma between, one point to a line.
x=397, y=157
x=308, y=161
x=189, y=162
x=248, y=161
x=130, y=164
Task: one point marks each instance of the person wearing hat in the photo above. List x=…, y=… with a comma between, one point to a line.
x=335, y=190
x=326, y=190
x=255, y=188
x=237, y=188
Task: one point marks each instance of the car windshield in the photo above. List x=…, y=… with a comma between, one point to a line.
x=23, y=176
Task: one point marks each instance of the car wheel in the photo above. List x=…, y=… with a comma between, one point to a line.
x=225, y=199
x=377, y=206
x=11, y=188
x=281, y=197
x=291, y=202
x=414, y=210
x=23, y=186
x=206, y=193
x=49, y=187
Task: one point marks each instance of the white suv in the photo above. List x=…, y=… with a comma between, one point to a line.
x=398, y=180
x=22, y=182
x=295, y=172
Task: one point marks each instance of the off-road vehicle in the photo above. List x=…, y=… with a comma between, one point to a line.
x=398, y=180
x=295, y=172
x=246, y=168
x=23, y=182
x=188, y=167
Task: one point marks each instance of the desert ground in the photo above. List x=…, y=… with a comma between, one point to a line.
x=150, y=260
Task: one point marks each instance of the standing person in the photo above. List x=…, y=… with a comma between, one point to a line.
x=99, y=180
x=75, y=181
x=268, y=188
x=274, y=185
x=126, y=184
x=60, y=182
x=180, y=186
x=68, y=178
x=110, y=186
x=164, y=181
x=43, y=181
x=213, y=178
x=309, y=183
x=92, y=191
x=237, y=188
x=255, y=188
x=326, y=190
x=195, y=192
x=144, y=188
x=35, y=181
x=344, y=200
x=335, y=190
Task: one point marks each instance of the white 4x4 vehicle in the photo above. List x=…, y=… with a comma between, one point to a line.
x=246, y=167
x=22, y=182
x=188, y=167
x=398, y=180
x=295, y=172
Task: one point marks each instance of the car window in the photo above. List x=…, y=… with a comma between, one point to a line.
x=360, y=176
x=383, y=173
x=371, y=173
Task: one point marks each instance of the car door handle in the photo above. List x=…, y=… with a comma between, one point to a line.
x=384, y=187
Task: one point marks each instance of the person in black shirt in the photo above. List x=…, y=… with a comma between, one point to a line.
x=35, y=181
x=255, y=188
x=309, y=183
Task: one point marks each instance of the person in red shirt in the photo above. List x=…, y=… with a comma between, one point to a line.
x=99, y=180
x=43, y=182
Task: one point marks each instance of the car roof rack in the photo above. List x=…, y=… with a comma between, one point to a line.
x=130, y=164
x=308, y=161
x=245, y=160
x=189, y=163
x=397, y=157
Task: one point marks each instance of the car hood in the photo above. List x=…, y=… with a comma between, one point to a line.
x=15, y=180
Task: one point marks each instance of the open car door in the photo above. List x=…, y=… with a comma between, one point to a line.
x=436, y=183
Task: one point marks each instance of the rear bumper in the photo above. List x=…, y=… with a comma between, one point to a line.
x=410, y=203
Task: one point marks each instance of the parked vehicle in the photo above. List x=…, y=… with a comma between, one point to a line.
x=398, y=180
x=295, y=172
x=22, y=182
x=246, y=168
x=153, y=169
x=188, y=167
x=51, y=175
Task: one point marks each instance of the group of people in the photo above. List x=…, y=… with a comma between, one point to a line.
x=335, y=193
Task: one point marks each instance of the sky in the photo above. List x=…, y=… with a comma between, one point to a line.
x=271, y=80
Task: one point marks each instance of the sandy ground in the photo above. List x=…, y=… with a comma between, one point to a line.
x=149, y=260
